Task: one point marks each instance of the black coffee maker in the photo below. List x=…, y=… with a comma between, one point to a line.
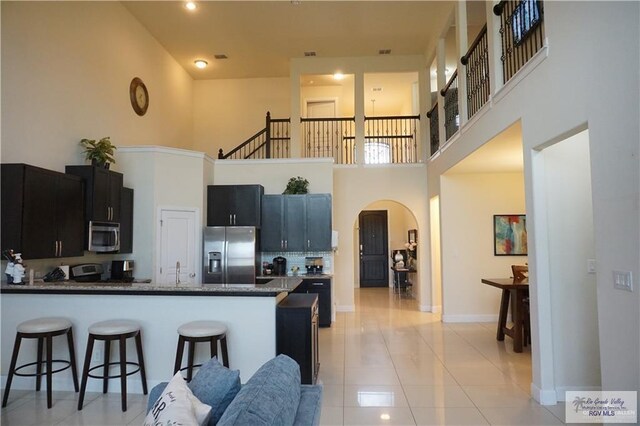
x=280, y=266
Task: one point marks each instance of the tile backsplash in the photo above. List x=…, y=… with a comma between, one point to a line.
x=297, y=259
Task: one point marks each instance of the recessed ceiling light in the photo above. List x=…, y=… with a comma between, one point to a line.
x=201, y=63
x=310, y=81
x=221, y=56
x=338, y=76
x=191, y=5
x=385, y=416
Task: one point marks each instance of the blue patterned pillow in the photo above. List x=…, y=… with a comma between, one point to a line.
x=270, y=397
x=216, y=386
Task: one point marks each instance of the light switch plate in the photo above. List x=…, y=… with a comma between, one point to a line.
x=591, y=266
x=622, y=280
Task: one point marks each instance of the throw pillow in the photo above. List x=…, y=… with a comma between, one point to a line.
x=178, y=406
x=216, y=386
x=270, y=397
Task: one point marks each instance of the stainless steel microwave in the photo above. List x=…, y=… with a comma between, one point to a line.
x=104, y=237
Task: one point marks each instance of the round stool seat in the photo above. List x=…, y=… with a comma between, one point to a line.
x=112, y=327
x=44, y=325
x=202, y=329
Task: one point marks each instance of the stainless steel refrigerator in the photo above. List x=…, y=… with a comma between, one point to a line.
x=229, y=255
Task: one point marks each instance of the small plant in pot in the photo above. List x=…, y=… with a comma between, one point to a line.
x=297, y=185
x=100, y=153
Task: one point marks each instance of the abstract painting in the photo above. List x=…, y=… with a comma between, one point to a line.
x=510, y=235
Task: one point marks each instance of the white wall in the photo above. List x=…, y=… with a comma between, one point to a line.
x=436, y=254
x=160, y=177
x=228, y=112
x=355, y=188
x=563, y=94
x=66, y=70
x=343, y=95
x=274, y=174
x=574, y=312
x=467, y=204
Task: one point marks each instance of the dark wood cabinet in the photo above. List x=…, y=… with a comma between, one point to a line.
x=42, y=212
x=296, y=223
x=321, y=287
x=102, y=192
x=318, y=222
x=297, y=333
x=126, y=220
x=234, y=205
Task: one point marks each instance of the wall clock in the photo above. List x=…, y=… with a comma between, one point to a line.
x=139, y=96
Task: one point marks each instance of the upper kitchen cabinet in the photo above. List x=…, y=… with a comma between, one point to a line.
x=42, y=212
x=318, y=222
x=296, y=223
x=126, y=221
x=234, y=205
x=102, y=194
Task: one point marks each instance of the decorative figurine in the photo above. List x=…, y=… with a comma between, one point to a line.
x=11, y=259
x=18, y=270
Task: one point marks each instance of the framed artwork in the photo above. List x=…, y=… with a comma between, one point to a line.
x=509, y=235
x=413, y=235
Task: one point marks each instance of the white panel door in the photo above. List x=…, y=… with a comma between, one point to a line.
x=178, y=257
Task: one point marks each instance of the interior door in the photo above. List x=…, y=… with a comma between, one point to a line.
x=374, y=256
x=178, y=239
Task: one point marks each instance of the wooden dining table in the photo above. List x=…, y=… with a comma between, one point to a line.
x=516, y=291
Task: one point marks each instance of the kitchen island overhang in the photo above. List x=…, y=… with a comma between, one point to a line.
x=248, y=311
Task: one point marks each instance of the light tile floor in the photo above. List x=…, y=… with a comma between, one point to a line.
x=387, y=363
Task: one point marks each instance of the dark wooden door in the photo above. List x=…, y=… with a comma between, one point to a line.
x=246, y=205
x=39, y=234
x=219, y=204
x=374, y=257
x=115, y=189
x=294, y=222
x=69, y=213
x=319, y=222
x=126, y=220
x=272, y=220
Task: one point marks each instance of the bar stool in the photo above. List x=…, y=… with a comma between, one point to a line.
x=200, y=331
x=43, y=329
x=108, y=331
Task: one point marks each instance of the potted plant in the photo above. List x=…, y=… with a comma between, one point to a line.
x=297, y=185
x=100, y=153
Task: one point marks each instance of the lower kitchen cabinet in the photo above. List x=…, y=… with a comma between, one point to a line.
x=42, y=212
x=297, y=333
x=321, y=287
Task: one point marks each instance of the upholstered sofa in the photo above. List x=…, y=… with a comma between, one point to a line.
x=272, y=396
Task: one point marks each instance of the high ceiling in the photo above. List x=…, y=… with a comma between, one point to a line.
x=260, y=37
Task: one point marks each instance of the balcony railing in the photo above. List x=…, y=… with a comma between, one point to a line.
x=521, y=31
x=476, y=62
x=434, y=129
x=273, y=141
x=451, y=116
x=329, y=137
x=391, y=139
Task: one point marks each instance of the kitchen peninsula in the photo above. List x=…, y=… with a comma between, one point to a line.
x=248, y=310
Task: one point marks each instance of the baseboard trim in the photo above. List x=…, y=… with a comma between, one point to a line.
x=470, y=318
x=345, y=308
x=561, y=391
x=544, y=396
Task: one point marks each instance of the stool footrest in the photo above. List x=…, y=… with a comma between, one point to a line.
x=116, y=375
x=44, y=373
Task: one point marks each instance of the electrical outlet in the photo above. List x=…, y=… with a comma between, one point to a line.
x=622, y=280
x=591, y=266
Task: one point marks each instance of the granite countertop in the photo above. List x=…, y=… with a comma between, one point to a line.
x=276, y=286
